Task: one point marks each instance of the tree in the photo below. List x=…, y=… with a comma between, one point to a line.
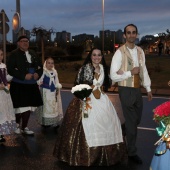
x=41, y=32
x=168, y=31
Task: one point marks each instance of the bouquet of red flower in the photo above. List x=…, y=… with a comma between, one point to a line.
x=162, y=113
x=161, y=156
x=162, y=116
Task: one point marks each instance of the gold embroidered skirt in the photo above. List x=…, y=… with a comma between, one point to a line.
x=71, y=146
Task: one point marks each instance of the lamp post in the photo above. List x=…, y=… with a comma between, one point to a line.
x=114, y=43
x=4, y=29
x=103, y=26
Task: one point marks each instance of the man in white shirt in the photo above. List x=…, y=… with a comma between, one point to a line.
x=129, y=70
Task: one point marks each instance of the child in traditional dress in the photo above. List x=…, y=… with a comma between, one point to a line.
x=51, y=113
x=7, y=116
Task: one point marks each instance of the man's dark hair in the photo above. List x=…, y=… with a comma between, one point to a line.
x=132, y=26
x=21, y=37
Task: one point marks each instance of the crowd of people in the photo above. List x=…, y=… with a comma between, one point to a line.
x=33, y=88
x=95, y=140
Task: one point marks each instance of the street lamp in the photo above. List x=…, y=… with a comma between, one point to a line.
x=114, y=43
x=16, y=23
x=4, y=29
x=103, y=26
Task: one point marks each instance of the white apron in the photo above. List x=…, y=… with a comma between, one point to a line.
x=102, y=127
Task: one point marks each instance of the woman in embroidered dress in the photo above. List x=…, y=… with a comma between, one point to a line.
x=96, y=140
x=7, y=116
x=51, y=113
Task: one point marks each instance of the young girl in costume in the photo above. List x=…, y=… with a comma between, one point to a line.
x=51, y=113
x=7, y=116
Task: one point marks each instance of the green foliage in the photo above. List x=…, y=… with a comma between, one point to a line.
x=158, y=69
x=54, y=52
x=164, y=119
x=76, y=66
x=75, y=49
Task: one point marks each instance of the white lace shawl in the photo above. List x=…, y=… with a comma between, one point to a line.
x=53, y=77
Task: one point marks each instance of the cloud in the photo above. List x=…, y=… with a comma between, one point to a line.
x=85, y=16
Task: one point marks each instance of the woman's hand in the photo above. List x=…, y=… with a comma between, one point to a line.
x=120, y=72
x=2, y=86
x=28, y=76
x=36, y=76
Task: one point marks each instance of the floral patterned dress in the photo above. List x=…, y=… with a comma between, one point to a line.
x=7, y=116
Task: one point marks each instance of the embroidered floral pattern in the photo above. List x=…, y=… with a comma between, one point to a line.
x=85, y=75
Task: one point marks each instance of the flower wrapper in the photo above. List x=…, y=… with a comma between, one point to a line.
x=6, y=90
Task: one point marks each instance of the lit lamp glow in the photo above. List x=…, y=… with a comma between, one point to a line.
x=16, y=22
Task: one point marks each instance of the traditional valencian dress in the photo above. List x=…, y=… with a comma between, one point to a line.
x=93, y=141
x=51, y=113
x=7, y=116
x=161, y=158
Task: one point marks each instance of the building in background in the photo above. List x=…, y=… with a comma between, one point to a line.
x=107, y=34
x=63, y=37
x=116, y=36
x=81, y=38
x=119, y=36
x=46, y=37
x=22, y=31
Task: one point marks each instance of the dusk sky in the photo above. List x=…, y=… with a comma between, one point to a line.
x=85, y=16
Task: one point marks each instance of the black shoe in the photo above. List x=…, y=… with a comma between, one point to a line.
x=135, y=159
x=56, y=127
x=2, y=139
x=45, y=126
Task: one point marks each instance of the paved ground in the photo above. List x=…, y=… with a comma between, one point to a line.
x=35, y=152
